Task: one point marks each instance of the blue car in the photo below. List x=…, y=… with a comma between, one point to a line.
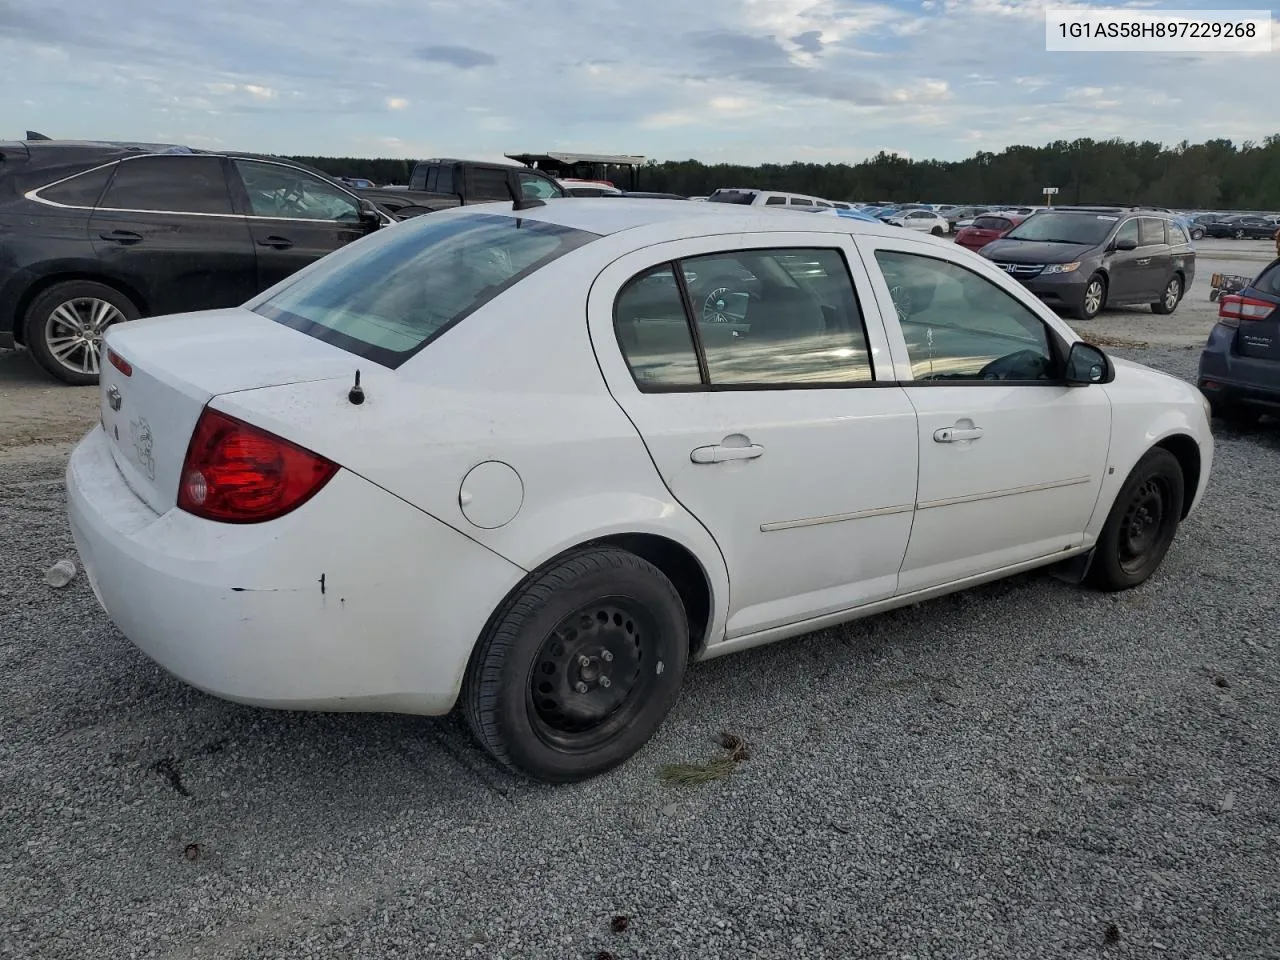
x=1240, y=365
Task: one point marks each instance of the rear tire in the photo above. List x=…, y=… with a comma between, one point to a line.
x=1239, y=234
x=1141, y=525
x=1171, y=297
x=937, y=231
x=64, y=326
x=579, y=667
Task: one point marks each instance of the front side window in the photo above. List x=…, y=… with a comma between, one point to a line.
x=1128, y=232
x=775, y=202
x=960, y=326
x=82, y=190
x=170, y=184
x=278, y=191
x=389, y=295
x=535, y=187
x=1151, y=232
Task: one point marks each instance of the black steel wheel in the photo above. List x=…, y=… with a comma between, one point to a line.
x=579, y=667
x=1141, y=525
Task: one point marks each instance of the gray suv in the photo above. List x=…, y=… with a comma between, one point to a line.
x=1081, y=259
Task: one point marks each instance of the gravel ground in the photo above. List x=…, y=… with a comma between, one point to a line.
x=1023, y=770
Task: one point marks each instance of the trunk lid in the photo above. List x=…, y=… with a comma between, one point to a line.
x=176, y=365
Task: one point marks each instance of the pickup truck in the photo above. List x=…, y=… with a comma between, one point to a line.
x=443, y=183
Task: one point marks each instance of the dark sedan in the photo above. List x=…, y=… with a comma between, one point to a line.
x=1240, y=365
x=1243, y=227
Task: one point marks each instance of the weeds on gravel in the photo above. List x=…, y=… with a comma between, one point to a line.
x=687, y=774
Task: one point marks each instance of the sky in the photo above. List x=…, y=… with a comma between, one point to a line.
x=739, y=81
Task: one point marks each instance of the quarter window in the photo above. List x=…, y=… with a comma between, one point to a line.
x=172, y=184
x=653, y=331
x=960, y=326
x=1152, y=232
x=80, y=191
x=285, y=192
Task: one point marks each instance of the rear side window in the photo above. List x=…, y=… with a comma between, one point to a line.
x=489, y=184
x=80, y=191
x=443, y=180
x=1151, y=232
x=775, y=202
x=389, y=295
x=173, y=184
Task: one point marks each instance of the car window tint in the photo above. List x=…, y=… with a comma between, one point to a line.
x=1128, y=231
x=778, y=317
x=801, y=202
x=961, y=326
x=289, y=193
x=489, y=184
x=1151, y=231
x=775, y=201
x=82, y=190
x=175, y=184
x=433, y=177
x=1269, y=281
x=653, y=331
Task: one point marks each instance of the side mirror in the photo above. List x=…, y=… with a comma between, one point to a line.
x=1086, y=365
x=1125, y=245
x=370, y=216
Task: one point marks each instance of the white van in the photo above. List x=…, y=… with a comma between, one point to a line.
x=749, y=196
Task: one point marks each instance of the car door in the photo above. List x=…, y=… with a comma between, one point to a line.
x=294, y=217
x=1155, y=257
x=165, y=225
x=773, y=420
x=1011, y=459
x=1125, y=275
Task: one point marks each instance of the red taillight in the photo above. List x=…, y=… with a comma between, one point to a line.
x=120, y=363
x=237, y=473
x=1234, y=307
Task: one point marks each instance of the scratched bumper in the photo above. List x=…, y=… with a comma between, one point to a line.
x=239, y=612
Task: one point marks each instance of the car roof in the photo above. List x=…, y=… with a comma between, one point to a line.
x=610, y=215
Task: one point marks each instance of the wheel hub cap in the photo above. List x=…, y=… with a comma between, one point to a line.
x=74, y=332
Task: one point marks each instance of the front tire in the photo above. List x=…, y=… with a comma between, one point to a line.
x=1239, y=234
x=1093, y=299
x=65, y=324
x=1141, y=525
x=579, y=667
x=1171, y=297
x=937, y=231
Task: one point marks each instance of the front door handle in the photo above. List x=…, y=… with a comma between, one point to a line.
x=719, y=453
x=956, y=434
x=277, y=243
x=1144, y=261
x=125, y=237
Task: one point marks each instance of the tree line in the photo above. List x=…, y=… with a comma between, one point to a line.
x=1216, y=174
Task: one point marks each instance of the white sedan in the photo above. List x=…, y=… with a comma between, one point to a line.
x=535, y=460
x=924, y=220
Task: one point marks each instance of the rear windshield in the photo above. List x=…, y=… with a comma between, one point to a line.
x=387, y=297
x=991, y=223
x=1086, y=229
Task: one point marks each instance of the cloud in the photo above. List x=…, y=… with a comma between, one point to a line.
x=735, y=80
x=464, y=58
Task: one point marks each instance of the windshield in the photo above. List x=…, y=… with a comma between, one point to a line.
x=731, y=196
x=387, y=297
x=1084, y=229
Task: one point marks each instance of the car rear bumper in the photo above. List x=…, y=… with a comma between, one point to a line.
x=355, y=601
x=1228, y=377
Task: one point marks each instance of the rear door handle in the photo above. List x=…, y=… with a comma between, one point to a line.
x=718, y=453
x=956, y=434
x=125, y=237
x=277, y=243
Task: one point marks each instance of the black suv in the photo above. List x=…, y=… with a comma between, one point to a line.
x=95, y=233
x=1084, y=258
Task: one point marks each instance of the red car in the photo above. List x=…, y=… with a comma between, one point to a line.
x=988, y=227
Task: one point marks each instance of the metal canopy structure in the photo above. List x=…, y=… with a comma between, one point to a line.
x=585, y=166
